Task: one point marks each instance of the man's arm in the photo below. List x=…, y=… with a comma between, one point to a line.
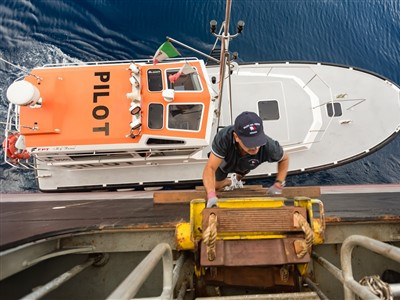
x=283, y=166
x=209, y=172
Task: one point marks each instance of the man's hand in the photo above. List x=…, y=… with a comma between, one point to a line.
x=275, y=189
x=212, y=202
x=212, y=199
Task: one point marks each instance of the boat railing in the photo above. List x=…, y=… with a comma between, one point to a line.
x=345, y=276
x=58, y=281
x=132, y=283
x=118, y=158
x=116, y=62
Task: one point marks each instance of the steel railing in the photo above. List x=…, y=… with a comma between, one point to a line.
x=345, y=276
x=350, y=285
x=132, y=283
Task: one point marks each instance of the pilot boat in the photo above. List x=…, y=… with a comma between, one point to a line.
x=120, y=124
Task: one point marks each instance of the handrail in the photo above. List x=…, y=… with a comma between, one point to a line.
x=345, y=276
x=366, y=294
x=58, y=281
x=350, y=285
x=131, y=285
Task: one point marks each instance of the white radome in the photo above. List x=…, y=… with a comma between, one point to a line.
x=23, y=93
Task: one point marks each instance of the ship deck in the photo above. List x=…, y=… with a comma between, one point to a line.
x=33, y=216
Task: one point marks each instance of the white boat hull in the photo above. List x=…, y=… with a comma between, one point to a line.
x=327, y=116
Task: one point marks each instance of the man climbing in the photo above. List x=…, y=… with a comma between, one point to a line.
x=238, y=149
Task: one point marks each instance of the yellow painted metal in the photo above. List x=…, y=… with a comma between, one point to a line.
x=247, y=236
x=302, y=268
x=183, y=237
x=199, y=271
x=188, y=233
x=316, y=225
x=318, y=233
x=306, y=203
x=196, y=218
x=259, y=202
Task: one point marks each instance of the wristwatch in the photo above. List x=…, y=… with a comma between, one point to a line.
x=281, y=182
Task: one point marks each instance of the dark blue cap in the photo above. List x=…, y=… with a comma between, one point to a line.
x=249, y=128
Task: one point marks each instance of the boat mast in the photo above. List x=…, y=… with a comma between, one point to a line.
x=224, y=60
x=225, y=56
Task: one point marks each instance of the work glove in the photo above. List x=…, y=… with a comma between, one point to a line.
x=235, y=183
x=274, y=190
x=212, y=202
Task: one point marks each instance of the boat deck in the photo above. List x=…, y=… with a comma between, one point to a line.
x=29, y=217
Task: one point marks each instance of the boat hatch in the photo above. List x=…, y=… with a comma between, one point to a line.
x=119, y=105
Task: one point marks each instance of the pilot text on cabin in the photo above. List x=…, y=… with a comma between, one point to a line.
x=100, y=112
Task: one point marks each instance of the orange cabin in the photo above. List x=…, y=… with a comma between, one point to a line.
x=88, y=105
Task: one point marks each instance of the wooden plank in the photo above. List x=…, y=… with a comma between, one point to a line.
x=185, y=196
x=306, y=191
x=167, y=197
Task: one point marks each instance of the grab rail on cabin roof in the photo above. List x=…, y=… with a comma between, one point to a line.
x=96, y=63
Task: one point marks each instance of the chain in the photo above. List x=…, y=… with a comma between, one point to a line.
x=377, y=286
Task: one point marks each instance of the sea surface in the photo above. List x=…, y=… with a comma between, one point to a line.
x=360, y=33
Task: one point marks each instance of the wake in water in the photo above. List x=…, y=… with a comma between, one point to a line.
x=35, y=55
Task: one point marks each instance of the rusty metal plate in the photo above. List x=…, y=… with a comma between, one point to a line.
x=261, y=277
x=253, y=253
x=254, y=220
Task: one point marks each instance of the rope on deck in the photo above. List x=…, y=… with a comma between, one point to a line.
x=309, y=240
x=210, y=236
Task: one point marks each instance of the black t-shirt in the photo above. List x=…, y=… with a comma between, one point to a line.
x=225, y=147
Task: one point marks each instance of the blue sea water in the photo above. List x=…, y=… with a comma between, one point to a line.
x=360, y=33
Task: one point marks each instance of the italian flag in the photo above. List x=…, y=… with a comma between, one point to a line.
x=166, y=50
x=185, y=70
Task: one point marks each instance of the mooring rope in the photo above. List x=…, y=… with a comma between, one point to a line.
x=308, y=232
x=210, y=236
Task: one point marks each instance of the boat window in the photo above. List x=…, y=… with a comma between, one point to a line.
x=188, y=82
x=156, y=116
x=154, y=79
x=268, y=110
x=334, y=110
x=184, y=116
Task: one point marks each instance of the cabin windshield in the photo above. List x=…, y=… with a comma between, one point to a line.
x=185, y=116
x=185, y=82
